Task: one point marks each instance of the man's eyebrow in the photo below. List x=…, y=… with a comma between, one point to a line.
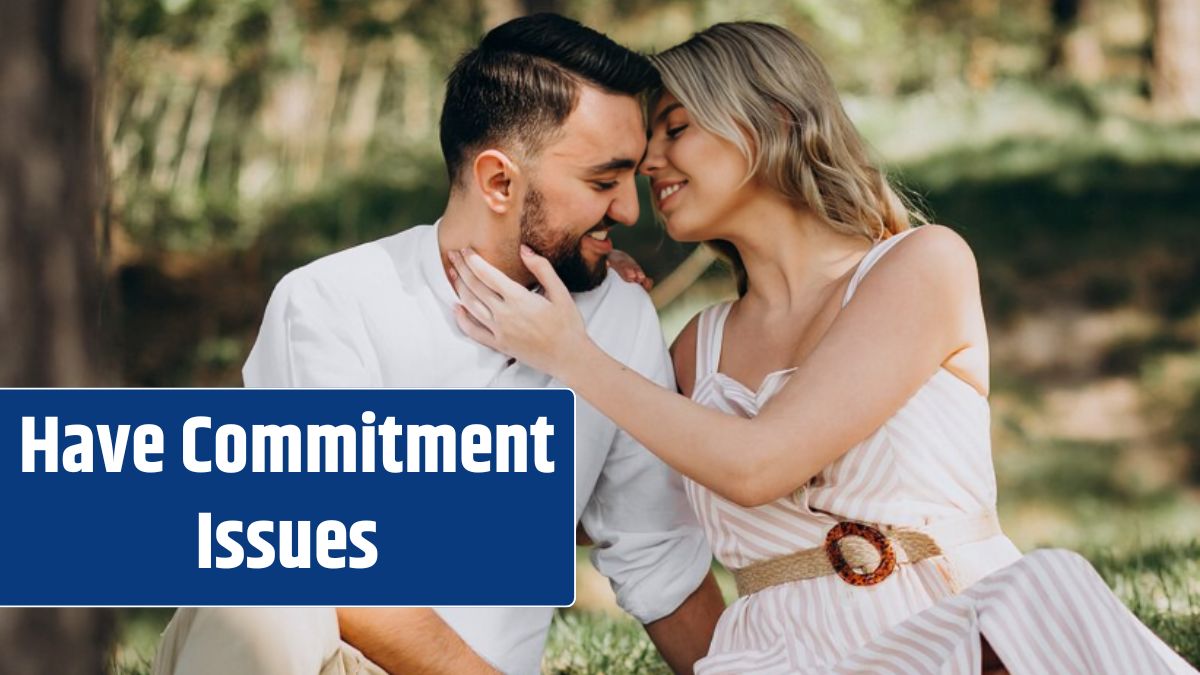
x=612, y=165
x=665, y=111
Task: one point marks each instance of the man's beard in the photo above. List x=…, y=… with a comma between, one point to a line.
x=564, y=254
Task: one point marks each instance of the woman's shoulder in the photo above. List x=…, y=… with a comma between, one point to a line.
x=687, y=342
x=683, y=355
x=928, y=258
x=928, y=280
x=936, y=247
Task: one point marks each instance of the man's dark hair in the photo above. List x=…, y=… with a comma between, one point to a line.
x=522, y=82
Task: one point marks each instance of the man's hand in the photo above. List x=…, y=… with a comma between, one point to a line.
x=404, y=640
x=683, y=636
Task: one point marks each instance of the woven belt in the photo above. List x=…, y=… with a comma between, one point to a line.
x=863, y=555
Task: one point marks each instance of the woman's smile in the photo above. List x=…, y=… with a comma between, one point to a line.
x=664, y=191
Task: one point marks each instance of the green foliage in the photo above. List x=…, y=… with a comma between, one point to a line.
x=1159, y=585
x=597, y=644
x=349, y=211
x=139, y=666
x=1077, y=474
x=139, y=629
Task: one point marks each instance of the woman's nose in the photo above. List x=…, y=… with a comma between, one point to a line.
x=653, y=161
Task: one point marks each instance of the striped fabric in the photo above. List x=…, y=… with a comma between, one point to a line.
x=929, y=463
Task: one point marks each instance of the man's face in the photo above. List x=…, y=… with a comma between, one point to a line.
x=582, y=184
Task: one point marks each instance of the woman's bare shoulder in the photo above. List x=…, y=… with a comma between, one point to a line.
x=936, y=248
x=933, y=264
x=683, y=355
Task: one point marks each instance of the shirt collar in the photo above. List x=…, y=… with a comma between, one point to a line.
x=435, y=272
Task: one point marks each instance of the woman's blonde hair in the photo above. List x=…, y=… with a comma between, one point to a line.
x=764, y=90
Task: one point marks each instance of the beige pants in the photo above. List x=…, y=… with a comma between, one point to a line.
x=258, y=641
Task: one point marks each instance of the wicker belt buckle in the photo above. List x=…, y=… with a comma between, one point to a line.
x=887, y=556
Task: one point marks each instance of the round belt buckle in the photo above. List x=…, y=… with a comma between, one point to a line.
x=887, y=557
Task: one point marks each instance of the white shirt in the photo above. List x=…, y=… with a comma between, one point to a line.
x=381, y=315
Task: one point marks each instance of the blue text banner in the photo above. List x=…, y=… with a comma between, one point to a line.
x=186, y=497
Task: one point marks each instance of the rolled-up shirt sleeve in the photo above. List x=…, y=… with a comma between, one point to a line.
x=646, y=538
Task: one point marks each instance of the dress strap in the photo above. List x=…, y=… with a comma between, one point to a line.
x=869, y=261
x=710, y=331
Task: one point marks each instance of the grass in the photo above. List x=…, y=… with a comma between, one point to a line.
x=139, y=629
x=594, y=643
x=1161, y=585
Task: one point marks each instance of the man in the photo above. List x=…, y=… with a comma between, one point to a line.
x=541, y=132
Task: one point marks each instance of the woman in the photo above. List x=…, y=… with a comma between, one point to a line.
x=833, y=430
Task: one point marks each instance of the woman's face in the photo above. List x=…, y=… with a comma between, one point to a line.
x=694, y=175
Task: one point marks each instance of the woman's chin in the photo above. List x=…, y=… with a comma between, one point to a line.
x=681, y=232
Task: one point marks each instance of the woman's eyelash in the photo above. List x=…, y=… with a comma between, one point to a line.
x=606, y=184
x=675, y=131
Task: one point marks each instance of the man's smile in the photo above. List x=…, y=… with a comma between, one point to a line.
x=596, y=241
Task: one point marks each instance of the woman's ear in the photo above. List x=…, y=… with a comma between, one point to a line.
x=497, y=178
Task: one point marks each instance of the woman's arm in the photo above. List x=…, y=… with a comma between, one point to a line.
x=908, y=316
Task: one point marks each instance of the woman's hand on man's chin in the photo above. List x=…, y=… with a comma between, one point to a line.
x=542, y=331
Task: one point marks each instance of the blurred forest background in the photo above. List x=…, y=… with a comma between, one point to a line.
x=243, y=138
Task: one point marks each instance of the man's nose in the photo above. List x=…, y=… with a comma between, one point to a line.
x=624, y=208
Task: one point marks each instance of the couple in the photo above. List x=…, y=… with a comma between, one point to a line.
x=833, y=429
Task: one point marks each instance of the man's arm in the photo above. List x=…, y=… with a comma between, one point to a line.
x=683, y=636
x=307, y=340
x=647, y=539
x=404, y=640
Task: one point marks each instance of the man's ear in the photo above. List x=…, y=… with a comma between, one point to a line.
x=497, y=178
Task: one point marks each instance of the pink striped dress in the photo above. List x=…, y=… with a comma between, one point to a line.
x=929, y=463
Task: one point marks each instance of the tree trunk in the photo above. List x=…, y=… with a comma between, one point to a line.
x=1175, y=82
x=1076, y=52
x=49, y=276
